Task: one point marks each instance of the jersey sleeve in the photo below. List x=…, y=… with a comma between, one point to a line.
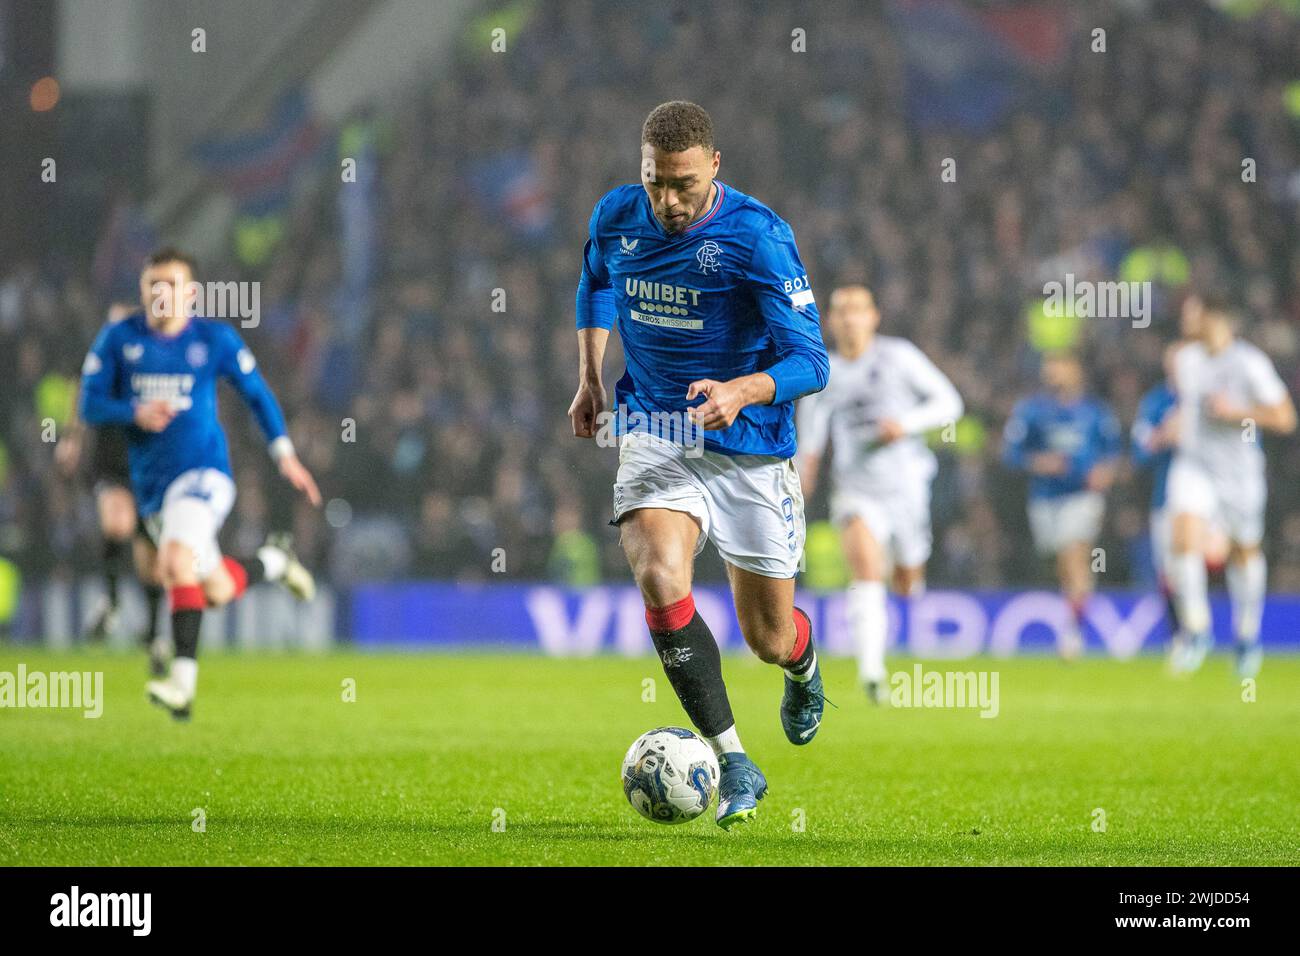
x=1154, y=408
x=1016, y=438
x=1142, y=432
x=1110, y=436
x=99, y=405
x=239, y=368
x=780, y=286
x=594, y=307
x=1265, y=384
x=940, y=403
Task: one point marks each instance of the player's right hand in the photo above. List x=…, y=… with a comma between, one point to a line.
x=155, y=415
x=585, y=410
x=1049, y=464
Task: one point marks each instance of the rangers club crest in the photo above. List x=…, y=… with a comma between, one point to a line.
x=707, y=255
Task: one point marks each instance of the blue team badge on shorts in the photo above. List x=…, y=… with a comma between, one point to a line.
x=196, y=354
x=707, y=256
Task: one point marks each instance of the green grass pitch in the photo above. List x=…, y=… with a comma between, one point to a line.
x=437, y=747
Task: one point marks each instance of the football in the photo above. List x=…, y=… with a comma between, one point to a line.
x=669, y=775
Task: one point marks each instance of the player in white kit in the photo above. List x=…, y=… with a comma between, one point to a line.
x=883, y=395
x=1228, y=391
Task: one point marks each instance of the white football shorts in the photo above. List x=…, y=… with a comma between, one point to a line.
x=749, y=506
x=1058, y=522
x=899, y=520
x=194, y=508
x=1233, y=502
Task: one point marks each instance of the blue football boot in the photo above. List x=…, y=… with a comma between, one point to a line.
x=741, y=787
x=802, y=704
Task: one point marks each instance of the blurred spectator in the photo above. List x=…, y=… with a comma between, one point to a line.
x=435, y=410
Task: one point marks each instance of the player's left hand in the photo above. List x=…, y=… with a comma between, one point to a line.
x=723, y=403
x=296, y=473
x=1100, y=477
x=1221, y=407
x=889, y=430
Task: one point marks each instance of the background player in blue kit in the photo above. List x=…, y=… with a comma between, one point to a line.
x=1069, y=443
x=119, y=524
x=720, y=334
x=1155, y=436
x=155, y=374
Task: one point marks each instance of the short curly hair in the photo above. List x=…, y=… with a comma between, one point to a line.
x=676, y=126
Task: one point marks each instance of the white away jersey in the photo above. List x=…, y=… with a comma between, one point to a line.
x=891, y=379
x=1245, y=376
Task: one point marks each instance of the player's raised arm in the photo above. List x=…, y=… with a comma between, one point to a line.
x=238, y=367
x=941, y=403
x=1273, y=409
x=594, y=310
x=1103, y=470
x=1145, y=436
x=1015, y=438
x=99, y=405
x=1020, y=445
x=784, y=296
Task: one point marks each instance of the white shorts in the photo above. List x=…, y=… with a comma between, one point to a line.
x=1057, y=523
x=750, y=506
x=1234, y=503
x=194, y=508
x=898, y=520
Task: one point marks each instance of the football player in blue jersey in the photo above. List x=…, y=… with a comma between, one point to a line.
x=1155, y=438
x=155, y=374
x=1069, y=443
x=720, y=335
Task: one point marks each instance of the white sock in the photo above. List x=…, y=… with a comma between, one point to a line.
x=1187, y=577
x=727, y=742
x=274, y=561
x=185, y=674
x=868, y=615
x=1247, y=584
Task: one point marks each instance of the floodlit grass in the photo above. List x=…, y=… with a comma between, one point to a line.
x=435, y=747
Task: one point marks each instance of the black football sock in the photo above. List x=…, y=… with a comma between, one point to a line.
x=1171, y=608
x=692, y=663
x=153, y=596
x=253, y=568
x=116, y=555
x=187, y=614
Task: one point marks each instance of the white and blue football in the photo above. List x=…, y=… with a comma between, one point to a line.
x=670, y=775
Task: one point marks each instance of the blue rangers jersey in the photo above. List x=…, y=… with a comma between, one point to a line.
x=131, y=363
x=726, y=297
x=1084, y=431
x=1153, y=408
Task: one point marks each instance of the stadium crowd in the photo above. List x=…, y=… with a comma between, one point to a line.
x=432, y=407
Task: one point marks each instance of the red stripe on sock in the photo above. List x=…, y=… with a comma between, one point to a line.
x=188, y=597
x=802, y=633
x=673, y=617
x=237, y=574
